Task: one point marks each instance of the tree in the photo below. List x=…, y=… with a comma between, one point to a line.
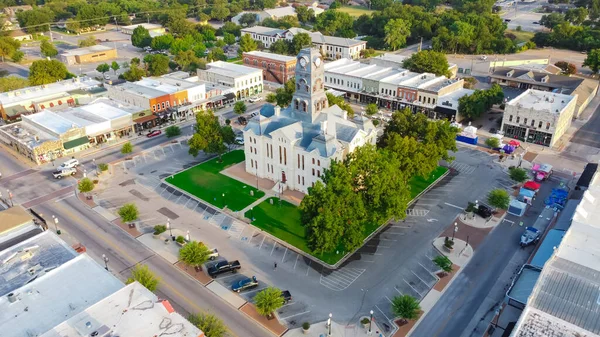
x=406, y=307
x=283, y=96
x=11, y=83
x=85, y=185
x=300, y=41
x=102, y=68
x=229, y=38
x=141, y=37
x=552, y=20
x=367, y=53
x=134, y=73
x=210, y=324
x=216, y=54
x=248, y=20
x=428, y=61
x=247, y=43
x=34, y=20
x=142, y=274
x=444, y=263
x=518, y=174
x=87, y=42
x=45, y=72
x=219, y=13
x=195, y=254
x=335, y=23
x=162, y=42
x=592, y=60
x=268, y=300
x=17, y=56
x=492, y=142
x=372, y=109
x=72, y=26
x=566, y=67
x=576, y=15
x=396, y=32
x=281, y=47
x=480, y=101
x=129, y=212
x=9, y=47
x=172, y=131
x=208, y=136
x=187, y=60
x=240, y=108
x=127, y=148
x=47, y=49
x=157, y=64
x=339, y=101
x=305, y=14
x=115, y=66
x=498, y=198
x=228, y=135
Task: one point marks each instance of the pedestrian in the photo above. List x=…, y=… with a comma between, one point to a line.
x=274, y=265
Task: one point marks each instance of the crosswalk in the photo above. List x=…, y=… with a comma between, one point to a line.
x=462, y=167
x=417, y=212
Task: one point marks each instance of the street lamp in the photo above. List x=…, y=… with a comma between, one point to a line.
x=223, y=195
x=187, y=236
x=169, y=227
x=10, y=196
x=85, y=173
x=329, y=325
x=56, y=225
x=371, y=322
x=455, y=230
x=105, y=258
x=251, y=214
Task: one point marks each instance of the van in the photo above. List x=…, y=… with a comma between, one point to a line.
x=69, y=164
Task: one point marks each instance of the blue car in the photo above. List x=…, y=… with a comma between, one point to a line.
x=243, y=284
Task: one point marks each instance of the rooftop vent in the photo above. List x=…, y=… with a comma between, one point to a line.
x=12, y=298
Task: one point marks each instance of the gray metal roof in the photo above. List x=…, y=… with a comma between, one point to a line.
x=566, y=215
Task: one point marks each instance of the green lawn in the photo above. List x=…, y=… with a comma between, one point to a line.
x=207, y=183
x=283, y=220
x=355, y=11
x=522, y=36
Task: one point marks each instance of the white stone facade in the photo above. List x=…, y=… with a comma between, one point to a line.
x=246, y=81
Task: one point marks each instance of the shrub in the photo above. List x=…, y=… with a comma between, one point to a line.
x=144, y=276
x=499, y=198
x=95, y=181
x=365, y=321
x=159, y=229
x=127, y=148
x=172, y=131
x=444, y=263
x=406, y=307
x=518, y=174
x=492, y=142
x=375, y=122
x=305, y=325
x=180, y=239
x=85, y=185
x=102, y=167
x=129, y=212
x=268, y=300
x=448, y=242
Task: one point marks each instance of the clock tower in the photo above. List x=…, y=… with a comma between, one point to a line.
x=309, y=100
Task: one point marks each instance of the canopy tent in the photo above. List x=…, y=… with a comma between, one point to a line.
x=514, y=143
x=526, y=195
x=541, y=171
x=517, y=207
x=508, y=149
x=532, y=185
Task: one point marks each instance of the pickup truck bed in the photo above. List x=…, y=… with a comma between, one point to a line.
x=223, y=267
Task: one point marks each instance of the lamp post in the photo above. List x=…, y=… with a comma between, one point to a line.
x=329, y=325
x=169, y=228
x=105, y=258
x=187, y=236
x=85, y=173
x=95, y=166
x=371, y=322
x=10, y=196
x=251, y=214
x=455, y=230
x=223, y=195
x=56, y=225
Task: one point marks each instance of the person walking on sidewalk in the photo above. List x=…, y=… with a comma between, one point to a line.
x=274, y=265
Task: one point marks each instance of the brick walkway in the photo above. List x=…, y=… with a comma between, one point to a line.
x=198, y=275
x=475, y=235
x=272, y=325
x=405, y=329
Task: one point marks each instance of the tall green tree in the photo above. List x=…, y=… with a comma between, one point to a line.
x=48, y=49
x=518, y=174
x=498, y=198
x=334, y=23
x=157, y=64
x=428, y=61
x=396, y=33
x=480, y=101
x=10, y=83
x=268, y=300
x=45, y=72
x=141, y=37
x=143, y=275
x=115, y=66
x=248, y=20
x=134, y=73
x=406, y=307
x=85, y=185
x=208, y=136
x=239, y=107
x=299, y=42
x=34, y=20
x=216, y=54
x=162, y=42
x=210, y=324
x=102, y=68
x=195, y=254
x=187, y=60
x=219, y=13
x=9, y=47
x=372, y=109
x=592, y=60
x=282, y=47
x=247, y=43
x=229, y=39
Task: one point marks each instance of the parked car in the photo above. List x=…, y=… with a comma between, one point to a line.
x=244, y=284
x=536, y=23
x=531, y=236
x=484, y=57
x=64, y=172
x=106, y=76
x=242, y=120
x=484, y=211
x=287, y=296
x=223, y=267
x=214, y=253
x=239, y=140
x=153, y=133
x=69, y=164
x=79, y=248
x=507, y=20
x=255, y=99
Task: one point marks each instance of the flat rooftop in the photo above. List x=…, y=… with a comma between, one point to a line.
x=148, y=26
x=271, y=56
x=26, y=134
x=51, y=121
x=451, y=100
x=35, y=93
x=55, y=297
x=230, y=69
x=334, y=40
x=14, y=217
x=263, y=30
x=31, y=259
x=542, y=101
x=132, y=311
x=87, y=50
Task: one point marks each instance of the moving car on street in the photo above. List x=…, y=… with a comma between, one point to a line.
x=223, y=267
x=244, y=284
x=255, y=99
x=64, y=172
x=153, y=133
x=69, y=164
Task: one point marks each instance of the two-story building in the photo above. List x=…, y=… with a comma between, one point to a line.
x=276, y=68
x=245, y=81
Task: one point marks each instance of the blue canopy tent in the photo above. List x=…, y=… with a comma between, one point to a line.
x=526, y=195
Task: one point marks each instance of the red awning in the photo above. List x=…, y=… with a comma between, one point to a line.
x=532, y=185
x=514, y=143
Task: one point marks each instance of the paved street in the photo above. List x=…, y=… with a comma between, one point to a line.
x=589, y=134
x=524, y=15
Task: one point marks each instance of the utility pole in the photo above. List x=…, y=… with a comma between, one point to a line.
x=420, y=44
x=116, y=23
x=50, y=31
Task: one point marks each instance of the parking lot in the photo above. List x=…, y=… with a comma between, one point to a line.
x=396, y=261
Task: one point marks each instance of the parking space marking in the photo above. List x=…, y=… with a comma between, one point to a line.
x=447, y=204
x=272, y=250
x=297, y=258
x=252, y=236
x=417, y=212
x=387, y=298
x=284, y=254
x=341, y=279
x=307, y=269
x=399, y=292
x=413, y=288
x=226, y=277
x=294, y=315
x=383, y=313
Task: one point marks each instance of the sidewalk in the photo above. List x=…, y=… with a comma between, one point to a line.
x=337, y=330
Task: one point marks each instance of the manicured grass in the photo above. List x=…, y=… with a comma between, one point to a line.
x=355, y=11
x=207, y=183
x=522, y=36
x=282, y=220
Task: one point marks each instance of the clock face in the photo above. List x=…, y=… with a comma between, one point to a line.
x=303, y=62
x=318, y=61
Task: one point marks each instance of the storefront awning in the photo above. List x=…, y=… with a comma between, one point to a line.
x=145, y=119
x=229, y=96
x=76, y=142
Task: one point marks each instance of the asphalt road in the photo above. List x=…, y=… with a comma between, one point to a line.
x=457, y=307
x=589, y=134
x=124, y=252
x=12, y=69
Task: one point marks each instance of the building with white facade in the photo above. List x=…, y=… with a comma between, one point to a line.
x=292, y=146
x=245, y=81
x=153, y=29
x=332, y=47
x=277, y=13
x=392, y=87
x=538, y=117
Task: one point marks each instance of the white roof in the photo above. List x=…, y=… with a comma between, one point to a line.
x=56, y=296
x=130, y=312
x=51, y=121
x=542, y=101
x=271, y=56
x=281, y=12
x=263, y=30
x=87, y=50
x=148, y=26
x=451, y=100
x=231, y=69
x=35, y=93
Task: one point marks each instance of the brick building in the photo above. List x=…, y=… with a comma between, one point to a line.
x=276, y=68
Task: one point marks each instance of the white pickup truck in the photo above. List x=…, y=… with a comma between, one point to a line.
x=64, y=172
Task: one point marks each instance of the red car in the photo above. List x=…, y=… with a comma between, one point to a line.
x=153, y=133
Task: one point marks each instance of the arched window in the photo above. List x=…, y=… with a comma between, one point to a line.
x=296, y=104
x=281, y=68
x=247, y=60
x=304, y=106
x=255, y=62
